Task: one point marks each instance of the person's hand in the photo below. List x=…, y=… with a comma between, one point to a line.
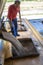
x=19, y=20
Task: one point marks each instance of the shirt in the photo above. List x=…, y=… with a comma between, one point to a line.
x=12, y=11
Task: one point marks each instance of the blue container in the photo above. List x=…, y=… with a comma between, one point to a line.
x=38, y=25
x=1, y=45
x=1, y=53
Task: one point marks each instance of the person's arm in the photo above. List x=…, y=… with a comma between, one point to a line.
x=20, y=17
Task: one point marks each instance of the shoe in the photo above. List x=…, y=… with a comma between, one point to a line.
x=18, y=35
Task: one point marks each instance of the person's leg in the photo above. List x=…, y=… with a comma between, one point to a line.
x=13, y=28
x=15, y=24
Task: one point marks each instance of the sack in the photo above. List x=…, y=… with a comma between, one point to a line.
x=7, y=26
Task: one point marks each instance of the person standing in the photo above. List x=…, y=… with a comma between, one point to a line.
x=12, y=13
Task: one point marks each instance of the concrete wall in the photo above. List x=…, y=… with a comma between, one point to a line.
x=2, y=3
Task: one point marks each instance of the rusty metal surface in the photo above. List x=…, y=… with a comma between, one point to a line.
x=29, y=46
x=30, y=49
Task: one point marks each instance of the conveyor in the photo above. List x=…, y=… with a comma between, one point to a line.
x=36, y=27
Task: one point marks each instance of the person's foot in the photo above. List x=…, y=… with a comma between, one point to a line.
x=18, y=35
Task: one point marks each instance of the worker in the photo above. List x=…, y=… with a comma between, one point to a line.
x=12, y=13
